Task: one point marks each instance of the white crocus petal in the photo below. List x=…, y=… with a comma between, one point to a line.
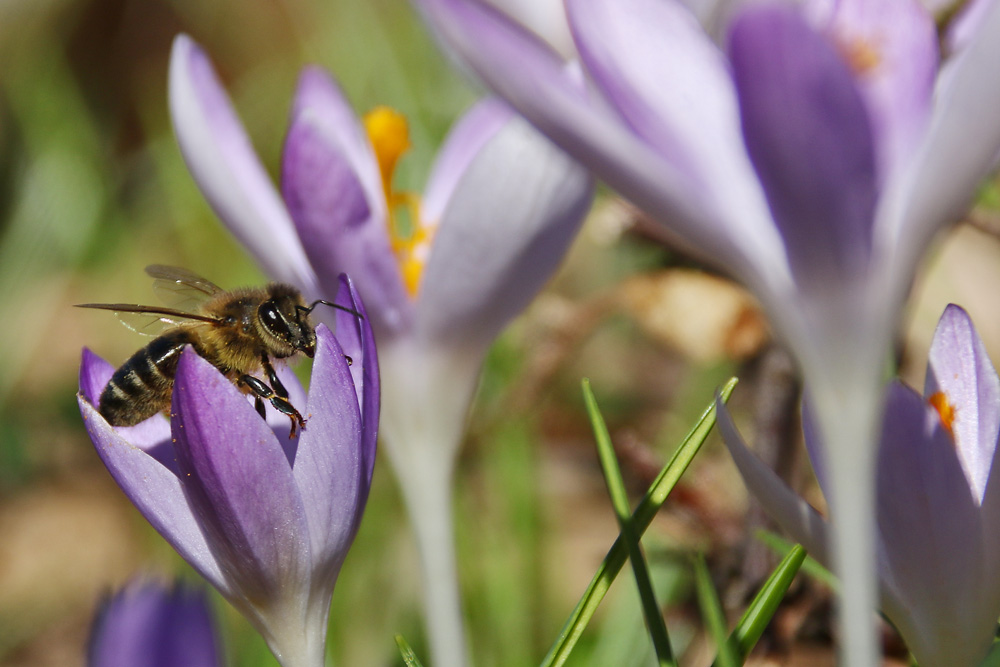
x=509, y=220
x=226, y=168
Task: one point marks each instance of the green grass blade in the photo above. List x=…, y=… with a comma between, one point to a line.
x=811, y=566
x=713, y=614
x=619, y=500
x=641, y=518
x=756, y=617
x=409, y=657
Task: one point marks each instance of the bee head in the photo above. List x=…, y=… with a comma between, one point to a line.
x=284, y=323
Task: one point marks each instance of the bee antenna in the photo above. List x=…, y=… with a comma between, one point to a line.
x=332, y=305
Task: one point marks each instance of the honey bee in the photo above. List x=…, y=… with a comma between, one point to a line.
x=237, y=331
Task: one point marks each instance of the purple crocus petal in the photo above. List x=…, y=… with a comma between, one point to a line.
x=959, y=367
x=892, y=46
x=782, y=504
x=152, y=436
x=358, y=342
x=506, y=227
x=94, y=375
x=156, y=492
x=226, y=168
x=146, y=625
x=329, y=470
x=929, y=523
x=463, y=143
x=239, y=484
x=539, y=85
x=332, y=185
x=961, y=146
x=809, y=137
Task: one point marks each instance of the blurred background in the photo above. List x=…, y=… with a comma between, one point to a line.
x=93, y=188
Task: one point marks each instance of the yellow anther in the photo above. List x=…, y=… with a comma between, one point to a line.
x=946, y=411
x=390, y=137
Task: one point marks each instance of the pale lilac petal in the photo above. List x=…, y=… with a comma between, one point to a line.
x=893, y=47
x=958, y=151
x=146, y=625
x=539, y=85
x=782, y=504
x=328, y=466
x=655, y=64
x=808, y=134
x=341, y=219
x=239, y=484
x=672, y=86
x=156, y=492
x=959, y=366
x=930, y=528
x=504, y=231
x=468, y=136
x=964, y=26
x=226, y=168
x=545, y=18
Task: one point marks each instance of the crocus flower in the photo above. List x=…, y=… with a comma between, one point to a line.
x=265, y=519
x=147, y=624
x=500, y=207
x=938, y=500
x=814, y=156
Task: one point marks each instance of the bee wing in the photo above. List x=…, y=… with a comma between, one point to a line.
x=148, y=320
x=181, y=289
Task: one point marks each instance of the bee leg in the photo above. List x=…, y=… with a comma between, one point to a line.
x=279, y=388
x=258, y=403
x=262, y=392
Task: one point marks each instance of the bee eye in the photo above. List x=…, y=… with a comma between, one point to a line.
x=273, y=321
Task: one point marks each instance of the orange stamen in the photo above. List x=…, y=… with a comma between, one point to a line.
x=945, y=410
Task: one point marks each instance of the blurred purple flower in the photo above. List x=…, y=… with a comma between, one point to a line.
x=814, y=157
x=266, y=520
x=148, y=625
x=938, y=509
x=500, y=207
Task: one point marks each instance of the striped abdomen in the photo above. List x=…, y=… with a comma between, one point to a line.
x=143, y=385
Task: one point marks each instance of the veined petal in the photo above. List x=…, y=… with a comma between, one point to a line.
x=463, y=143
x=156, y=492
x=329, y=469
x=540, y=86
x=226, y=168
x=782, y=504
x=240, y=486
x=959, y=367
x=809, y=137
x=331, y=183
x=960, y=148
x=358, y=342
x=504, y=231
x=892, y=47
x=931, y=534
